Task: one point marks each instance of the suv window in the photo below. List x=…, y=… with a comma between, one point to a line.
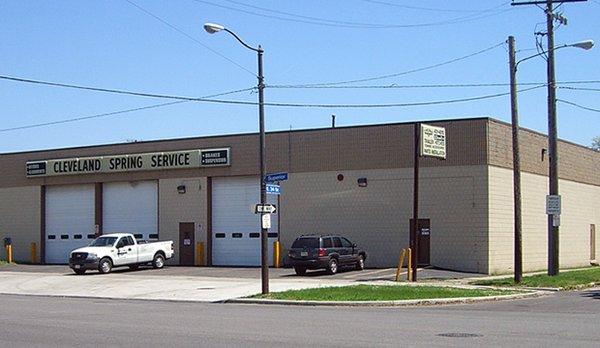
x=346, y=243
x=327, y=242
x=309, y=243
x=337, y=243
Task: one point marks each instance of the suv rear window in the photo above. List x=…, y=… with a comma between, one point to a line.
x=306, y=243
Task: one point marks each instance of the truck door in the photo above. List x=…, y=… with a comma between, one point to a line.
x=126, y=251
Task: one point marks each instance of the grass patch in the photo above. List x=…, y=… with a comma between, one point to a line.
x=566, y=280
x=2, y=262
x=380, y=293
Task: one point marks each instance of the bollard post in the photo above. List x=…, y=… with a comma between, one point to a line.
x=9, y=254
x=33, y=252
x=276, y=254
x=400, y=262
x=409, y=274
x=200, y=254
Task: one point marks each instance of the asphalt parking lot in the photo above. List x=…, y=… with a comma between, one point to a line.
x=370, y=274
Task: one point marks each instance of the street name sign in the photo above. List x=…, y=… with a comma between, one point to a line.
x=274, y=177
x=273, y=189
x=433, y=141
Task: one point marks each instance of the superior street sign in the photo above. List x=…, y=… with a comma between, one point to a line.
x=274, y=177
x=433, y=141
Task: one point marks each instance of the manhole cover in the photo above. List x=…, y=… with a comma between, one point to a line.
x=459, y=334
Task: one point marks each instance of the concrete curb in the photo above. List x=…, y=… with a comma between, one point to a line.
x=399, y=303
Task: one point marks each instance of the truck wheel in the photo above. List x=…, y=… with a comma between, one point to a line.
x=300, y=271
x=79, y=271
x=332, y=267
x=360, y=263
x=159, y=261
x=105, y=265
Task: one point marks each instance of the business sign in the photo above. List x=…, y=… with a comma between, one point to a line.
x=275, y=177
x=433, y=141
x=130, y=162
x=273, y=189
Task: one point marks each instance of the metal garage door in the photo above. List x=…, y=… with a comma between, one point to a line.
x=235, y=228
x=131, y=207
x=69, y=220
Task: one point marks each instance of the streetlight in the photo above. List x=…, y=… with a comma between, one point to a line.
x=212, y=28
x=552, y=140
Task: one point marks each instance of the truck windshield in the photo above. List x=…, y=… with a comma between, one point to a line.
x=104, y=241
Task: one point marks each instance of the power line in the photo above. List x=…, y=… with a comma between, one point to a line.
x=339, y=24
x=580, y=88
x=405, y=72
x=449, y=85
x=433, y=9
x=189, y=37
x=577, y=105
x=75, y=119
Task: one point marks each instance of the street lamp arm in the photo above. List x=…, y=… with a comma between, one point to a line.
x=259, y=49
x=539, y=54
x=586, y=45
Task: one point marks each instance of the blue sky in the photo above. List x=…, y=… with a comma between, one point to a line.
x=113, y=44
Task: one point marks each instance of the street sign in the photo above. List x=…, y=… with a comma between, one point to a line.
x=553, y=204
x=274, y=177
x=265, y=209
x=432, y=141
x=266, y=221
x=273, y=189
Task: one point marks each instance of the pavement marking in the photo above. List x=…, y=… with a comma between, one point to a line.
x=367, y=273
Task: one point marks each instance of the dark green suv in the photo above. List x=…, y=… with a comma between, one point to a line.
x=329, y=252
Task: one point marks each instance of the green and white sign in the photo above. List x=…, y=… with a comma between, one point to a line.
x=433, y=141
x=130, y=162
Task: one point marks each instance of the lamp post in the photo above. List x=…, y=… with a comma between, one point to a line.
x=552, y=140
x=212, y=28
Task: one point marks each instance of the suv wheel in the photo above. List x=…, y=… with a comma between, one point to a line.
x=332, y=267
x=360, y=263
x=300, y=271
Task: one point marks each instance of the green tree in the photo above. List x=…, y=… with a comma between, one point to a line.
x=596, y=143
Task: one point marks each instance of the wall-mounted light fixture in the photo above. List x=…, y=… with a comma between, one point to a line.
x=181, y=189
x=362, y=182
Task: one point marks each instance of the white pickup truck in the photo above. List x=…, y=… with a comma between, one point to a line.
x=118, y=250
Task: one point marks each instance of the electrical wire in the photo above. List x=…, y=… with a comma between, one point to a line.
x=381, y=77
x=432, y=9
x=190, y=37
x=577, y=105
x=339, y=24
x=580, y=88
x=75, y=119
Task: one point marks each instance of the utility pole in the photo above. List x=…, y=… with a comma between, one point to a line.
x=414, y=227
x=516, y=160
x=553, y=229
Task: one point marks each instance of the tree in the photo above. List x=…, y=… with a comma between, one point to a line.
x=596, y=143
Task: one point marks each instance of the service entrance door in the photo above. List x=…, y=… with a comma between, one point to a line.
x=423, y=235
x=186, y=243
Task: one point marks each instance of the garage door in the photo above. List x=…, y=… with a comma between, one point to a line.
x=131, y=207
x=235, y=228
x=69, y=220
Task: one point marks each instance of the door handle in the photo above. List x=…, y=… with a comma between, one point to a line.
x=129, y=249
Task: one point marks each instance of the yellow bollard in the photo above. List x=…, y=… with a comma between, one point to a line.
x=33, y=252
x=200, y=254
x=276, y=254
x=409, y=273
x=400, y=262
x=9, y=255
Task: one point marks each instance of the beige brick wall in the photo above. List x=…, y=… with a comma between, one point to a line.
x=580, y=209
x=377, y=216
x=20, y=220
x=174, y=208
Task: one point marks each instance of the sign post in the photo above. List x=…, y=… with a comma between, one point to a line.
x=430, y=141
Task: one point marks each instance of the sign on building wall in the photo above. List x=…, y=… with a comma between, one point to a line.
x=130, y=162
x=433, y=141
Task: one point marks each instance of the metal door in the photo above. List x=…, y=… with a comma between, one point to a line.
x=186, y=244
x=423, y=236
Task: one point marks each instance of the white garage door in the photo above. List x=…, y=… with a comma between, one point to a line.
x=131, y=207
x=69, y=220
x=235, y=228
